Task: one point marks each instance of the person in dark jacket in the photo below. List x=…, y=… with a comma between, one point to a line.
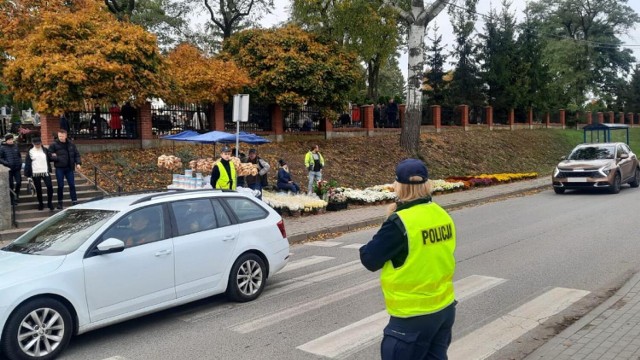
x=38, y=167
x=128, y=114
x=254, y=182
x=223, y=175
x=285, y=182
x=11, y=158
x=66, y=159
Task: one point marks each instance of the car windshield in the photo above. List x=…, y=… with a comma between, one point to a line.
x=61, y=234
x=593, y=153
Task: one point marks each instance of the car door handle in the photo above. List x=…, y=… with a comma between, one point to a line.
x=228, y=237
x=163, y=253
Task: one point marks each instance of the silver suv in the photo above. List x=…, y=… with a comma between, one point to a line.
x=597, y=166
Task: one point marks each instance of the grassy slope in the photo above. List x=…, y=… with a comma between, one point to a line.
x=361, y=161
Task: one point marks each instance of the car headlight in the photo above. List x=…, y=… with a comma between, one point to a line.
x=604, y=171
x=556, y=172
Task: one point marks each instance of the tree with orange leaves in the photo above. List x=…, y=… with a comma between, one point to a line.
x=200, y=79
x=84, y=55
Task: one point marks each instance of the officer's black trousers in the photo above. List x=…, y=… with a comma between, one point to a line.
x=425, y=337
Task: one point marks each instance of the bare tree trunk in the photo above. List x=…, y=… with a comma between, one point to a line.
x=410, y=136
x=417, y=21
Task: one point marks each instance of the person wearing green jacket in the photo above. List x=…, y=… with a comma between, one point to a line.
x=314, y=162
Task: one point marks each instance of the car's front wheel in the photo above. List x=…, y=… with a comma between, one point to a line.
x=636, y=179
x=247, y=279
x=37, y=330
x=617, y=183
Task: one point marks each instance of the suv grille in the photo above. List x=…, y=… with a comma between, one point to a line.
x=568, y=174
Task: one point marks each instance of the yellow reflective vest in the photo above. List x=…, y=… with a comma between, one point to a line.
x=224, y=180
x=424, y=283
x=308, y=159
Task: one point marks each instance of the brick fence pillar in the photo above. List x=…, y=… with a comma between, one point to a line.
x=630, y=118
x=530, y=118
x=612, y=117
x=366, y=112
x=436, y=113
x=600, y=117
x=464, y=116
x=621, y=117
x=563, y=119
x=488, y=111
x=547, y=119
x=512, y=119
x=277, y=124
x=145, y=125
x=49, y=126
x=589, y=117
x=218, y=116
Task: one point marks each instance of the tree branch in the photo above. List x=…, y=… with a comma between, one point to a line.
x=213, y=16
x=113, y=6
x=431, y=12
x=405, y=15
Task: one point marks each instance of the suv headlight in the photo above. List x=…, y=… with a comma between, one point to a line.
x=556, y=172
x=604, y=171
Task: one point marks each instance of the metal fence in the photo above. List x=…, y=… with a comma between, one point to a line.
x=427, y=115
x=304, y=118
x=500, y=116
x=259, y=118
x=81, y=125
x=172, y=119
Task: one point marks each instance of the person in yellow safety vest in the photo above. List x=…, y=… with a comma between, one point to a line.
x=314, y=162
x=223, y=175
x=415, y=248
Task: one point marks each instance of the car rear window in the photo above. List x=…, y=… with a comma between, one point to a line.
x=246, y=210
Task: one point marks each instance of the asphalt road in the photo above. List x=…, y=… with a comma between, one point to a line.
x=545, y=257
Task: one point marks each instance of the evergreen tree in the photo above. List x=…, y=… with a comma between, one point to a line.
x=465, y=87
x=633, y=92
x=500, y=62
x=534, y=69
x=391, y=81
x=434, y=85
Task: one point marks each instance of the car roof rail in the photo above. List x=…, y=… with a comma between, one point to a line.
x=174, y=192
x=113, y=195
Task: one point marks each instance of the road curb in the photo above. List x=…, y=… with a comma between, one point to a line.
x=298, y=238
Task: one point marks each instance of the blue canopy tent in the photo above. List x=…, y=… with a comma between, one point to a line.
x=179, y=136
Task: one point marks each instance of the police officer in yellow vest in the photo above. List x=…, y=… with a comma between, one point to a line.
x=414, y=248
x=223, y=175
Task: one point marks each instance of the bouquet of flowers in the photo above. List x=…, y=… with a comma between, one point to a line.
x=336, y=195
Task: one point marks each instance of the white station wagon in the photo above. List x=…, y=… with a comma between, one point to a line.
x=114, y=259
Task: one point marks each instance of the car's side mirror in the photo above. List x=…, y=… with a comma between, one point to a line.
x=623, y=156
x=109, y=246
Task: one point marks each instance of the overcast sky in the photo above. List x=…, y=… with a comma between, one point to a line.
x=281, y=13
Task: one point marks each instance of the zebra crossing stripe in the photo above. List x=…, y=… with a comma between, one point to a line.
x=324, y=243
x=283, y=287
x=353, y=246
x=291, y=312
x=368, y=331
x=297, y=264
x=490, y=338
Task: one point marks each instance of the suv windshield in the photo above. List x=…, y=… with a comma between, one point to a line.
x=61, y=234
x=593, y=153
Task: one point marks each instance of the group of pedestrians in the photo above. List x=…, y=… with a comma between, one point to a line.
x=118, y=117
x=224, y=176
x=37, y=166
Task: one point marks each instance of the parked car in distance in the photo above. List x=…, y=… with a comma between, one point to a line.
x=114, y=259
x=597, y=166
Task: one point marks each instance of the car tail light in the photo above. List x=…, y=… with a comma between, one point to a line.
x=281, y=228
